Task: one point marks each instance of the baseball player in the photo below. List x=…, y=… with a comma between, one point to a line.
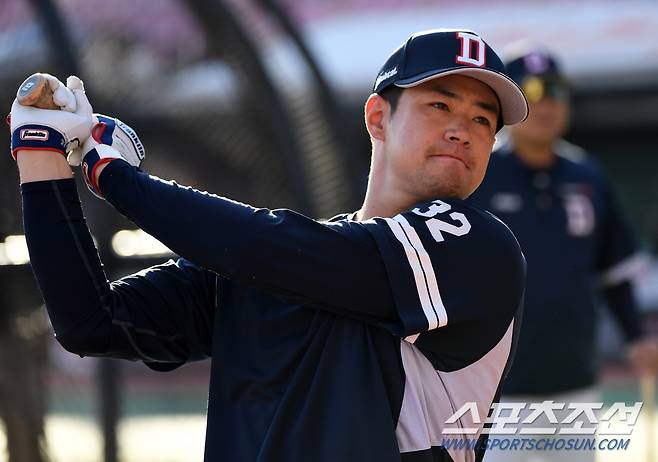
x=558, y=203
x=352, y=339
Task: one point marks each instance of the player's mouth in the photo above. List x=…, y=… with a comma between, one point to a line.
x=452, y=157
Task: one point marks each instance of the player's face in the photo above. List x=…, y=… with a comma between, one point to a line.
x=547, y=121
x=439, y=138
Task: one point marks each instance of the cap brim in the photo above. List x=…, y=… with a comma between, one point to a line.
x=514, y=106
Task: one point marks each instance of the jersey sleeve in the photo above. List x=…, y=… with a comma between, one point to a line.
x=449, y=263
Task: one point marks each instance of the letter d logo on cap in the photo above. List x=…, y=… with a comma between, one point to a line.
x=466, y=56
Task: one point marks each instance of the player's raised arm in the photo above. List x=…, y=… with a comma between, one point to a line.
x=160, y=315
x=333, y=265
x=365, y=269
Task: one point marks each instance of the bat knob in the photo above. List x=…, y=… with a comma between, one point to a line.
x=28, y=86
x=35, y=91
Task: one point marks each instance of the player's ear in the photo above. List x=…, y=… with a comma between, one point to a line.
x=376, y=110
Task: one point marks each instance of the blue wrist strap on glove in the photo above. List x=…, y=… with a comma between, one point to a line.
x=37, y=137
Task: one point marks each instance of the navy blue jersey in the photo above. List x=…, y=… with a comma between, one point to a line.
x=575, y=243
x=334, y=340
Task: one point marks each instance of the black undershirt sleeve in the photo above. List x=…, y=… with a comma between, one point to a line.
x=162, y=315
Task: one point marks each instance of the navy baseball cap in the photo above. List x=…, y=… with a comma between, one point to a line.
x=538, y=74
x=533, y=63
x=439, y=52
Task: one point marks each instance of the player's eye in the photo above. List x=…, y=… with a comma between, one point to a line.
x=483, y=121
x=440, y=105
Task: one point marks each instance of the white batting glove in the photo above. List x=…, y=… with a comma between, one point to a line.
x=54, y=130
x=110, y=139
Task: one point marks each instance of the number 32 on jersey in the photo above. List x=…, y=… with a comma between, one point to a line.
x=437, y=226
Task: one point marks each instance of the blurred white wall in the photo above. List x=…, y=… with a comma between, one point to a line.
x=606, y=42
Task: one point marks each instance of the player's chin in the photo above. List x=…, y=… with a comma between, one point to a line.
x=449, y=187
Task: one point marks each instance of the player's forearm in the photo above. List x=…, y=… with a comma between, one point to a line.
x=151, y=316
x=80, y=301
x=272, y=249
x=65, y=261
x=42, y=165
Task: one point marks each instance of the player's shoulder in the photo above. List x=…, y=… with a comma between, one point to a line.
x=451, y=208
x=462, y=245
x=430, y=209
x=452, y=225
x=433, y=226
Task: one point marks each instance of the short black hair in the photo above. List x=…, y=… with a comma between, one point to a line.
x=392, y=94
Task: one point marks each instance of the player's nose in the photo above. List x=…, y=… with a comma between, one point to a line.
x=457, y=132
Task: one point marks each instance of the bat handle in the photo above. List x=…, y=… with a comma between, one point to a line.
x=35, y=91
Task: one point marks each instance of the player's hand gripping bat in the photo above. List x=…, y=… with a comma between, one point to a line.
x=48, y=115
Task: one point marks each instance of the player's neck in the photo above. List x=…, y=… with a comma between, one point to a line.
x=383, y=200
x=534, y=154
x=387, y=194
x=377, y=206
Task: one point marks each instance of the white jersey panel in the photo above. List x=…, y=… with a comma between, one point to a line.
x=431, y=397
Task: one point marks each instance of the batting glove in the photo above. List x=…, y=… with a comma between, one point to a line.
x=110, y=140
x=54, y=130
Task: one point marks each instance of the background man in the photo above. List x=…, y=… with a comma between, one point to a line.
x=559, y=205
